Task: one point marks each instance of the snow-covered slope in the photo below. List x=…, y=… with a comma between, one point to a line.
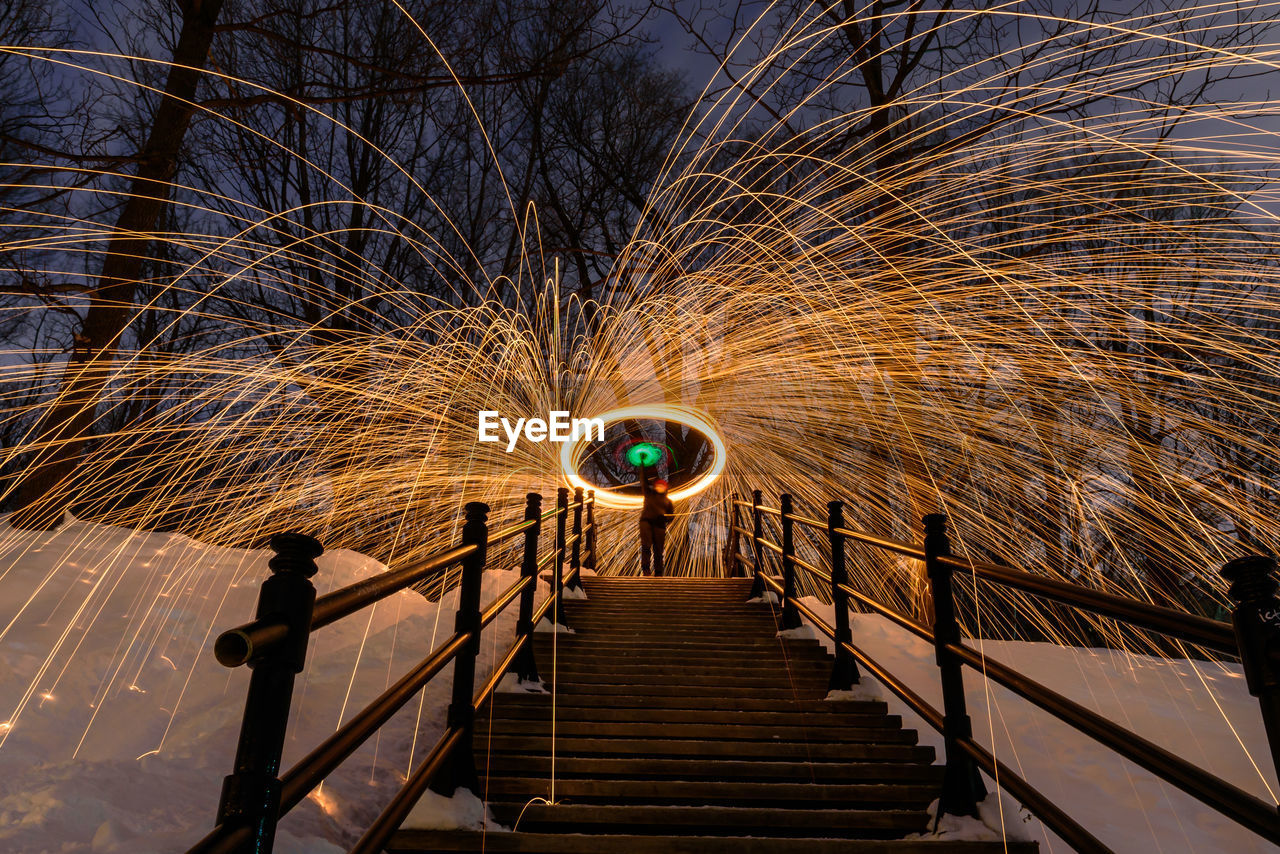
x=121, y=725
x=1199, y=710
x=117, y=723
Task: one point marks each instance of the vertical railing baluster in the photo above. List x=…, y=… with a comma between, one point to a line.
x=962, y=786
x=790, y=614
x=732, y=569
x=251, y=794
x=562, y=514
x=525, y=666
x=575, y=554
x=590, y=562
x=1256, y=618
x=459, y=770
x=845, y=671
x=757, y=534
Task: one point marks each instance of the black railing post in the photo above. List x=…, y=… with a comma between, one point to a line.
x=757, y=534
x=790, y=614
x=575, y=554
x=525, y=666
x=962, y=786
x=1256, y=618
x=590, y=562
x=251, y=794
x=845, y=672
x=562, y=514
x=732, y=569
x=459, y=770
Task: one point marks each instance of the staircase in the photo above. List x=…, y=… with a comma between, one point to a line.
x=683, y=725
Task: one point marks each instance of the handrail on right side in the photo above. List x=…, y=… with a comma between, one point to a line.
x=1255, y=637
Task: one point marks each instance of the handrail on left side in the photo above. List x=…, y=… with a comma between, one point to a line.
x=274, y=645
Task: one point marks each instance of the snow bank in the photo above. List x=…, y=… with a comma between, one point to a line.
x=991, y=825
x=1199, y=710
x=463, y=811
x=117, y=725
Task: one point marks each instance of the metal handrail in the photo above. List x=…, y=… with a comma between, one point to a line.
x=917, y=628
x=1252, y=593
x=513, y=530
x=258, y=638
x=1062, y=824
x=307, y=773
x=1191, y=628
x=277, y=645
x=898, y=546
x=1227, y=799
x=374, y=839
x=500, y=672
x=255, y=639
x=504, y=599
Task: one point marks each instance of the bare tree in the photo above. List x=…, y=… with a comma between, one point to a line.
x=41, y=489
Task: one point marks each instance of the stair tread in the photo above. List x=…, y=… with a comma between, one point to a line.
x=701, y=732
x=707, y=819
x=408, y=841
x=684, y=725
x=692, y=768
x=708, y=791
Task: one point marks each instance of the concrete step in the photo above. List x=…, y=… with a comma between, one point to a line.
x=658, y=608
x=707, y=820
x=675, y=668
x=878, y=732
x=737, y=770
x=812, y=679
x=770, y=653
x=617, y=635
x=695, y=701
x=723, y=624
x=815, y=690
x=656, y=748
x=676, y=792
x=684, y=586
x=684, y=725
x=420, y=842
x=660, y=602
x=513, y=715
x=616, y=647
x=640, y=662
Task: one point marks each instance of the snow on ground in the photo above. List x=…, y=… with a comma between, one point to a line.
x=1199, y=710
x=463, y=811
x=990, y=825
x=117, y=725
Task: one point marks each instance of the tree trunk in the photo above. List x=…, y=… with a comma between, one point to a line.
x=46, y=487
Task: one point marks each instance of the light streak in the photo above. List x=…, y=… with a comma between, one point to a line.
x=1024, y=302
x=571, y=453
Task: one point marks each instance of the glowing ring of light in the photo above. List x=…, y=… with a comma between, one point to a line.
x=571, y=452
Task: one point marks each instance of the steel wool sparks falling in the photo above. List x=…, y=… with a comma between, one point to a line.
x=1026, y=276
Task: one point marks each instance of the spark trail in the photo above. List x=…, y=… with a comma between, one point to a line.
x=1030, y=288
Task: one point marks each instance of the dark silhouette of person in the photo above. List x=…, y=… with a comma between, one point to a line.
x=654, y=516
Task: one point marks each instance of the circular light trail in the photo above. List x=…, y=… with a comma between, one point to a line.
x=644, y=454
x=571, y=453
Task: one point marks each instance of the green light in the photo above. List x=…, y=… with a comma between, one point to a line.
x=644, y=454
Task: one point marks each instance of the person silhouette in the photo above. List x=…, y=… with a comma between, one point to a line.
x=654, y=515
